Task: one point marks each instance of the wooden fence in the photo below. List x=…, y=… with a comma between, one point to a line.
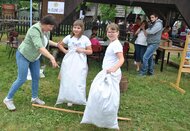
x=22, y=24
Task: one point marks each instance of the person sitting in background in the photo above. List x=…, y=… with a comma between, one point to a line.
x=94, y=40
x=164, y=40
x=136, y=25
x=165, y=33
x=182, y=31
x=96, y=46
x=94, y=30
x=165, y=36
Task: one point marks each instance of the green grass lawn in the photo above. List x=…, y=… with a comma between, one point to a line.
x=150, y=102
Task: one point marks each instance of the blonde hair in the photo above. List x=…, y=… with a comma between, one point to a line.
x=112, y=26
x=78, y=23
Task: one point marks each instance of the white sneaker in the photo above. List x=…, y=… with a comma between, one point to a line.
x=9, y=104
x=37, y=101
x=69, y=104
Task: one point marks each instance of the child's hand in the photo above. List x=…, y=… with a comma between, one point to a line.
x=110, y=70
x=80, y=50
x=59, y=44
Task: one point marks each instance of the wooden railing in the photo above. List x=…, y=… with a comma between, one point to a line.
x=22, y=24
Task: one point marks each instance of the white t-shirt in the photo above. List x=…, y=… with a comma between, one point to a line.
x=110, y=58
x=141, y=39
x=45, y=43
x=74, y=42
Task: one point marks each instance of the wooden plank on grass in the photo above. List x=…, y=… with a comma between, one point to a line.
x=177, y=88
x=72, y=111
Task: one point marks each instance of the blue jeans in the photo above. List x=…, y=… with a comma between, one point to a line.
x=140, y=50
x=23, y=64
x=148, y=63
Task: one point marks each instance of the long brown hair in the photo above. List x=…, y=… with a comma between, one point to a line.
x=78, y=23
x=146, y=24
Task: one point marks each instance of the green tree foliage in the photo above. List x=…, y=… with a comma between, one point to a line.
x=7, y=2
x=26, y=4
x=20, y=3
x=107, y=12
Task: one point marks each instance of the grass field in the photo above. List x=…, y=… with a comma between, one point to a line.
x=150, y=101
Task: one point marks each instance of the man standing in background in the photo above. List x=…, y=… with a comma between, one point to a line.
x=153, y=39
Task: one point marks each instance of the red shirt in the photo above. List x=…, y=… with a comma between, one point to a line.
x=165, y=36
x=135, y=28
x=94, y=41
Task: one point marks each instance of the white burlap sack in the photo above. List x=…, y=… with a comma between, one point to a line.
x=73, y=79
x=103, y=101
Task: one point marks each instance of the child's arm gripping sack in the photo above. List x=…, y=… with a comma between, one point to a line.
x=103, y=102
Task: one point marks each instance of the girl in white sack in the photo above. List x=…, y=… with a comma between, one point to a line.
x=103, y=100
x=74, y=67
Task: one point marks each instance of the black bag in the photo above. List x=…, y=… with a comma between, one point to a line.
x=133, y=39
